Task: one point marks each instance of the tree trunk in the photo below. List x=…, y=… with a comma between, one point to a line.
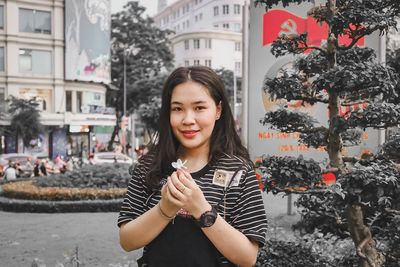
x=362, y=238
x=360, y=233
x=334, y=140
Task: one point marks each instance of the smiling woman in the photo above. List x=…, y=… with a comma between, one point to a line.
x=198, y=213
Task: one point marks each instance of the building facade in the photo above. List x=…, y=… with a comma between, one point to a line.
x=47, y=55
x=207, y=32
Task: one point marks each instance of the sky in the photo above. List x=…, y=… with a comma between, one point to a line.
x=150, y=5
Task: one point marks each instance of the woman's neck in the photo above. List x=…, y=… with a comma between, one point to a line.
x=196, y=159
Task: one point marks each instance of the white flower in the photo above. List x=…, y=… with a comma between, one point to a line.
x=179, y=164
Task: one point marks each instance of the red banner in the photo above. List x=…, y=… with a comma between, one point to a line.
x=278, y=22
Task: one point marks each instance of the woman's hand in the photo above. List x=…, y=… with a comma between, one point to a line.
x=186, y=193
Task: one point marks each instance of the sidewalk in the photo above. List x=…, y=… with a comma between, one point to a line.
x=52, y=238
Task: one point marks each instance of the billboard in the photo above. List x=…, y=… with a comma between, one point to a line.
x=265, y=27
x=87, y=40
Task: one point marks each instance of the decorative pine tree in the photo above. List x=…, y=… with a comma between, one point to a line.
x=364, y=204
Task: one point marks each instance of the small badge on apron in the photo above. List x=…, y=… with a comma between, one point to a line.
x=222, y=178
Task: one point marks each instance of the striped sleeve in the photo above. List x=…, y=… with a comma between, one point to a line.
x=135, y=199
x=250, y=217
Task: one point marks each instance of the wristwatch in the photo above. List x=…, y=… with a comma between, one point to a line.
x=208, y=218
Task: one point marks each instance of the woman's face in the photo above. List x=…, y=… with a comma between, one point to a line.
x=193, y=116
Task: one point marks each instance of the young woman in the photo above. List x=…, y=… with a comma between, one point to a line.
x=208, y=212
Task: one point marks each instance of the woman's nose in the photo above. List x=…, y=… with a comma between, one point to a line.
x=189, y=118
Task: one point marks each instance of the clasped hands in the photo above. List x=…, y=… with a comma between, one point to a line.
x=181, y=191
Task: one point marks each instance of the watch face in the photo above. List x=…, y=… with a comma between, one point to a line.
x=208, y=218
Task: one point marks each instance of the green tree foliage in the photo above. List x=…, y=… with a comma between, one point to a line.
x=150, y=108
x=365, y=198
x=25, y=119
x=228, y=77
x=147, y=53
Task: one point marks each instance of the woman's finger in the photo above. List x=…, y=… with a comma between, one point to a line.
x=177, y=182
x=173, y=190
x=187, y=174
x=186, y=179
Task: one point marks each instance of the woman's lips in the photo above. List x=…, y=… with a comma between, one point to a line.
x=189, y=134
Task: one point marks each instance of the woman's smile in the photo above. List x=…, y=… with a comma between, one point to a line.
x=189, y=134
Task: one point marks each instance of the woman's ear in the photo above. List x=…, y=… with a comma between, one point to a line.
x=219, y=110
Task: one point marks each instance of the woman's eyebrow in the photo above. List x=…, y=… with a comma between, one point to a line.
x=193, y=103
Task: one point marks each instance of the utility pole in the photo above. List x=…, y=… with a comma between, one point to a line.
x=124, y=114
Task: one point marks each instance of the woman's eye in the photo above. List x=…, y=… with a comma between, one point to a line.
x=200, y=108
x=176, y=109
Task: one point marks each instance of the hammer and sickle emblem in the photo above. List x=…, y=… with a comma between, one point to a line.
x=289, y=27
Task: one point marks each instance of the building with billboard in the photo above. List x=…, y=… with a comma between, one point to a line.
x=57, y=51
x=265, y=27
x=207, y=32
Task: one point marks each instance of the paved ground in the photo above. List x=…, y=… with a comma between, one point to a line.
x=51, y=239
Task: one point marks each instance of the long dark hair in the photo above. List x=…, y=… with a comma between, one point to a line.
x=224, y=138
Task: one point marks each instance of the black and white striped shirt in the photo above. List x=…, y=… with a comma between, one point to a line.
x=241, y=204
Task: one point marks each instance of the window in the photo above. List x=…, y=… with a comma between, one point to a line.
x=1, y=17
x=216, y=11
x=238, y=68
x=68, y=101
x=236, y=9
x=1, y=58
x=34, y=61
x=225, y=25
x=237, y=27
x=79, y=102
x=34, y=21
x=186, y=63
x=196, y=43
x=187, y=23
x=186, y=43
x=207, y=63
x=208, y=43
x=216, y=26
x=41, y=96
x=238, y=46
x=198, y=17
x=225, y=9
x=196, y=62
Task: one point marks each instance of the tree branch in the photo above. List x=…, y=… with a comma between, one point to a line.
x=313, y=47
x=350, y=159
x=300, y=192
x=393, y=211
x=356, y=39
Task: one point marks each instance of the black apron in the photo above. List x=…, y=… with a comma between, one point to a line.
x=182, y=244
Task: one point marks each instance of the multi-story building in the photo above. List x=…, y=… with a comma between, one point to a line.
x=207, y=32
x=57, y=51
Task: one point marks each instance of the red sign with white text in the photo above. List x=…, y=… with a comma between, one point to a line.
x=278, y=22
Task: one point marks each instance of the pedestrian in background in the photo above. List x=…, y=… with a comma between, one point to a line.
x=208, y=211
x=36, y=169
x=10, y=173
x=43, y=168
